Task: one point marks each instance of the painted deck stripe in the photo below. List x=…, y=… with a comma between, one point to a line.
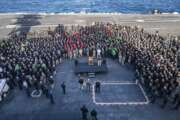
x=120, y=103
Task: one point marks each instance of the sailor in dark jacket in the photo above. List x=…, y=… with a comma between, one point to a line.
x=94, y=114
x=176, y=96
x=97, y=87
x=51, y=97
x=63, y=86
x=84, y=111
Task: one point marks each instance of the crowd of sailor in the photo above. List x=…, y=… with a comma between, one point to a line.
x=30, y=63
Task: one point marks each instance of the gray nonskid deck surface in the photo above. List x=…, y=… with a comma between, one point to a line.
x=67, y=107
x=121, y=93
x=164, y=23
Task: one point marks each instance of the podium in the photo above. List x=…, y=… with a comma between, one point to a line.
x=90, y=57
x=90, y=61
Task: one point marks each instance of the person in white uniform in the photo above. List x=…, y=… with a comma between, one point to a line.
x=98, y=53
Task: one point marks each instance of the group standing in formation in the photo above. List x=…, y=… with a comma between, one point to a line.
x=29, y=63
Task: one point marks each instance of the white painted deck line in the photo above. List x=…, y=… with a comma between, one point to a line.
x=62, y=72
x=120, y=103
x=140, y=20
x=93, y=94
x=11, y=26
x=144, y=93
x=118, y=83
